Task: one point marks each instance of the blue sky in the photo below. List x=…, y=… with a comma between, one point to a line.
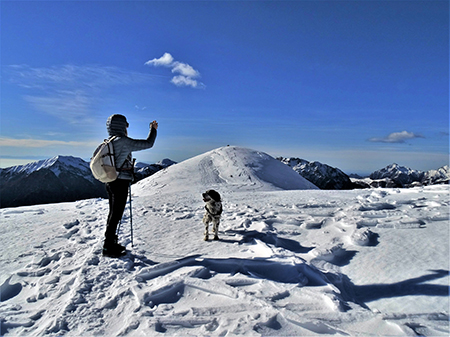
x=354, y=84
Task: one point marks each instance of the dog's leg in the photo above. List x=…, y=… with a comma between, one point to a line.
x=206, y=223
x=216, y=223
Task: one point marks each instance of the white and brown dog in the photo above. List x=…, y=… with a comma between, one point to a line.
x=213, y=211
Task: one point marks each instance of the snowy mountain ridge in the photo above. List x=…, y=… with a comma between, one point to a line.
x=393, y=175
x=56, y=164
x=44, y=181
x=398, y=173
x=58, y=179
x=143, y=170
x=323, y=176
x=228, y=168
x=439, y=176
x=400, y=176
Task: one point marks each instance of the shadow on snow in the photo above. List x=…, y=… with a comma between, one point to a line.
x=372, y=292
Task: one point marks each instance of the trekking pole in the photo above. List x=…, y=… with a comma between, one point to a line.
x=129, y=189
x=118, y=228
x=131, y=216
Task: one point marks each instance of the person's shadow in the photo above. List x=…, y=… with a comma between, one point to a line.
x=372, y=292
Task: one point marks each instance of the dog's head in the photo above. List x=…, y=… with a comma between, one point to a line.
x=211, y=195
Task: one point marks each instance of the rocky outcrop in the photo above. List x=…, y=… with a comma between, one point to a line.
x=323, y=176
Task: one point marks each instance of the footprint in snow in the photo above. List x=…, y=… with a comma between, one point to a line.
x=336, y=255
x=8, y=290
x=365, y=237
x=377, y=206
x=183, y=216
x=71, y=224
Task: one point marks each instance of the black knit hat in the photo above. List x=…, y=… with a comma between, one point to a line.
x=117, y=125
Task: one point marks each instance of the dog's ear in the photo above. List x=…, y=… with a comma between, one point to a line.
x=214, y=195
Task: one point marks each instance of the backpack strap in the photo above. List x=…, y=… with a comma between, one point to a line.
x=110, y=153
x=120, y=169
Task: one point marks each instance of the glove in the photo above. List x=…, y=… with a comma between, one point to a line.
x=154, y=125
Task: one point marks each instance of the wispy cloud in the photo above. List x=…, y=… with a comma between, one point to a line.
x=187, y=74
x=39, y=143
x=70, y=92
x=72, y=106
x=397, y=137
x=70, y=75
x=140, y=108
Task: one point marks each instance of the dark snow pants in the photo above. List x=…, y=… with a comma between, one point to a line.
x=118, y=194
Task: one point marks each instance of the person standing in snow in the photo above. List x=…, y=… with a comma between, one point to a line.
x=117, y=125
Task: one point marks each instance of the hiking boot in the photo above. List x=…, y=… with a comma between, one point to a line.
x=119, y=247
x=116, y=243
x=114, y=250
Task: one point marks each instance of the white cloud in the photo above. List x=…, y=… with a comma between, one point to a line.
x=185, y=70
x=187, y=73
x=166, y=61
x=183, y=81
x=397, y=137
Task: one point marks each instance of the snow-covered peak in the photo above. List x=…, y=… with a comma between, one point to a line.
x=441, y=175
x=140, y=165
x=322, y=175
x=293, y=162
x=227, y=168
x=55, y=164
x=166, y=162
x=396, y=172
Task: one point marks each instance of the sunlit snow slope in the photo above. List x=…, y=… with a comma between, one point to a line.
x=227, y=168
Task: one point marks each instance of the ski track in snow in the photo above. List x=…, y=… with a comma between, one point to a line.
x=285, y=265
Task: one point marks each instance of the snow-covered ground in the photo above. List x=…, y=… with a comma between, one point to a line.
x=292, y=260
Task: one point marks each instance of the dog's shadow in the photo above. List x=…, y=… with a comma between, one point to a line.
x=227, y=240
x=268, y=238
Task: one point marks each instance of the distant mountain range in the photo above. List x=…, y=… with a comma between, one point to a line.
x=323, y=176
x=395, y=175
x=58, y=179
x=329, y=178
x=66, y=179
x=142, y=170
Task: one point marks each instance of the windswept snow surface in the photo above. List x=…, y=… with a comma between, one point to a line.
x=290, y=262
